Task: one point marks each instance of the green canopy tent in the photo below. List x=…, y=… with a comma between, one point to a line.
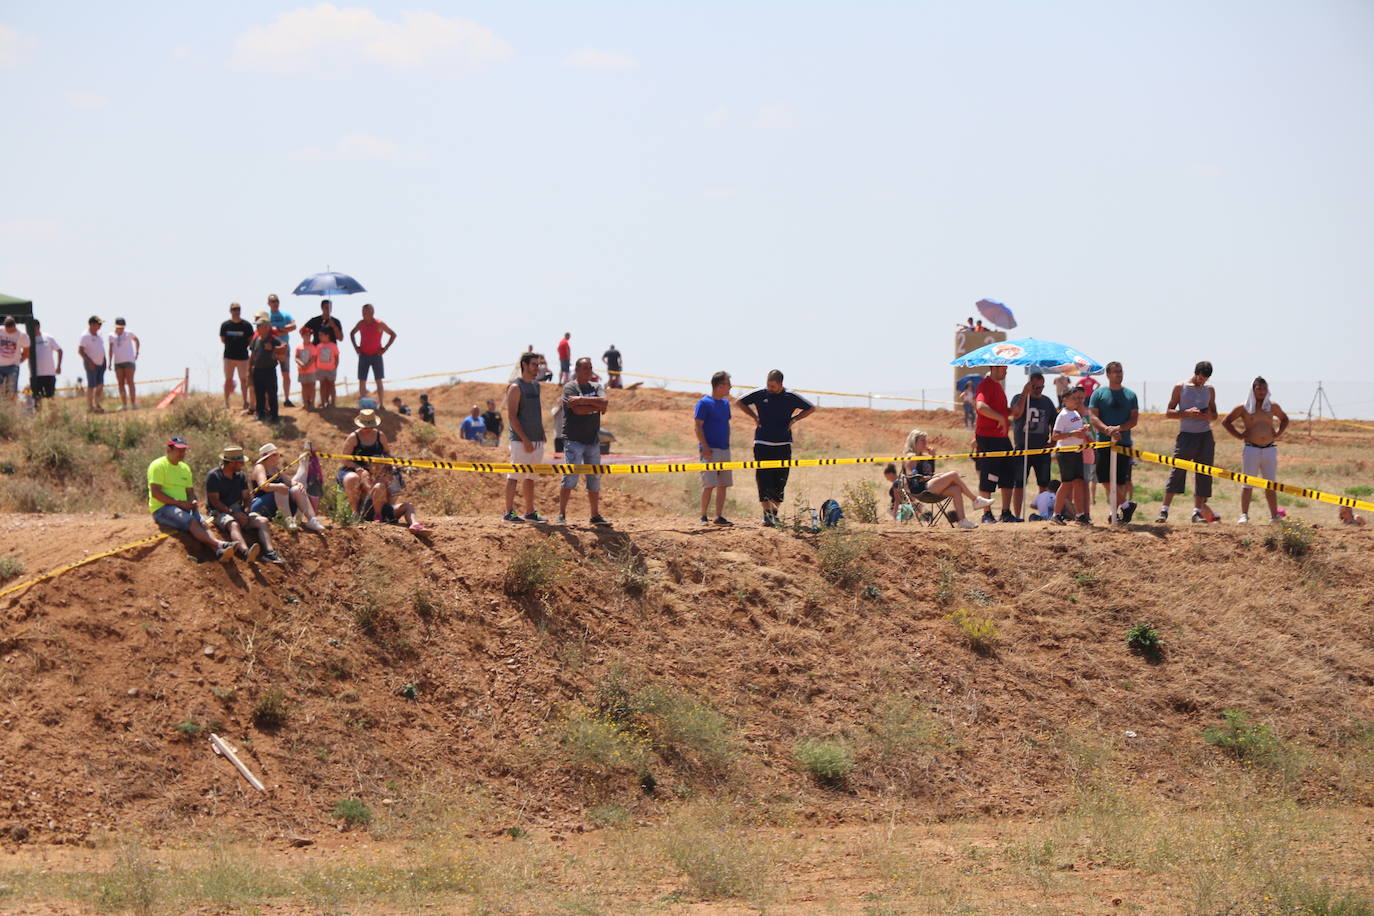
x=22, y=310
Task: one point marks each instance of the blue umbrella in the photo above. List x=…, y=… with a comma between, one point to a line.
x=996, y=312
x=1042, y=354
x=328, y=284
x=972, y=378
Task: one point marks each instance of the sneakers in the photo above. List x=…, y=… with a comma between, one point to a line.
x=1008, y=517
x=534, y=517
x=989, y=518
x=287, y=403
x=1060, y=520
x=562, y=519
x=1197, y=516
x=705, y=520
x=314, y=524
x=966, y=522
x=1163, y=515
x=600, y=522
x=1084, y=519
x=1127, y=509
x=770, y=519
x=981, y=502
x=722, y=520
x=511, y=517
x=251, y=553
x=272, y=556
x=1034, y=517
x=1243, y=520
x=225, y=552
x=292, y=524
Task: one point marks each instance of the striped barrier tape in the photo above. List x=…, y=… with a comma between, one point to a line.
x=494, y=467
x=54, y=573
x=137, y=381
x=1258, y=483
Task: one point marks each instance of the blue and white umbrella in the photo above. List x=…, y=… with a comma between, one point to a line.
x=996, y=312
x=328, y=284
x=1028, y=351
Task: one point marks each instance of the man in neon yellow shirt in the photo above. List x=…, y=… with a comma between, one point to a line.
x=172, y=498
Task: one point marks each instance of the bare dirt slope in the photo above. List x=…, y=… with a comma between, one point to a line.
x=399, y=661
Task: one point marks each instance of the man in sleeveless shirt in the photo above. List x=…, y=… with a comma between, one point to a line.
x=1194, y=405
x=526, y=416
x=1260, y=454
x=366, y=337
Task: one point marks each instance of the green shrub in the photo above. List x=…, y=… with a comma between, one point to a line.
x=352, y=812
x=859, y=500
x=270, y=711
x=1249, y=743
x=1143, y=638
x=53, y=451
x=534, y=570
x=687, y=729
x=842, y=554
x=10, y=566
x=1293, y=538
x=1360, y=491
x=593, y=741
x=717, y=859
x=190, y=728
x=202, y=416
x=30, y=496
x=9, y=421
x=424, y=433
x=828, y=762
x=979, y=632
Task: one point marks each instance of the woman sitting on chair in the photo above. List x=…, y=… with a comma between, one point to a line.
x=920, y=476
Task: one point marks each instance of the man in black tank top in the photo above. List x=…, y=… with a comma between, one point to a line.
x=526, y=415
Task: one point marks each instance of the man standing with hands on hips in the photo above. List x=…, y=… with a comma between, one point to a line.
x=774, y=410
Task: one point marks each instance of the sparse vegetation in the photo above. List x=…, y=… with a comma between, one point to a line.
x=1251, y=743
x=1143, y=638
x=827, y=761
x=270, y=711
x=424, y=433
x=593, y=741
x=352, y=812
x=190, y=728
x=631, y=572
x=717, y=859
x=1292, y=537
x=1360, y=491
x=902, y=737
x=980, y=633
x=536, y=569
x=10, y=566
x=842, y=553
x=859, y=500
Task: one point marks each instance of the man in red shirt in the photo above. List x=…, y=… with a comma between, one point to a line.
x=565, y=358
x=991, y=434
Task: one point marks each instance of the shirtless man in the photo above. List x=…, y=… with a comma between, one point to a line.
x=1260, y=455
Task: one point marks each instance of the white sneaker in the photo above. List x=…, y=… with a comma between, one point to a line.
x=1243, y=520
x=966, y=523
x=313, y=524
x=981, y=502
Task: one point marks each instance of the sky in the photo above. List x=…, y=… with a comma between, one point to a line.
x=821, y=188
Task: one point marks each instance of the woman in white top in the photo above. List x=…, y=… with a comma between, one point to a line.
x=124, y=348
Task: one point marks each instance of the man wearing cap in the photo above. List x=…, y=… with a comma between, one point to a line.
x=124, y=350
x=262, y=356
x=282, y=325
x=236, y=334
x=92, y=348
x=47, y=358
x=225, y=487
x=14, y=349
x=172, y=498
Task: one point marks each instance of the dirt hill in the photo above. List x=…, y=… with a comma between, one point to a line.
x=547, y=671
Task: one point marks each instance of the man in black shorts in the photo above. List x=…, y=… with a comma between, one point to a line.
x=1113, y=412
x=774, y=410
x=991, y=433
x=1031, y=433
x=613, y=367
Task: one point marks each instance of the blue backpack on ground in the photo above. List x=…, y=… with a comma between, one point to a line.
x=831, y=514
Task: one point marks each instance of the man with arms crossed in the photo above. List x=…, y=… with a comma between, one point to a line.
x=1259, y=456
x=1113, y=412
x=1194, y=405
x=584, y=401
x=282, y=325
x=775, y=410
x=712, y=418
x=526, y=434
x=1032, y=435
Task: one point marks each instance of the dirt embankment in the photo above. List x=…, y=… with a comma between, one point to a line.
x=377, y=663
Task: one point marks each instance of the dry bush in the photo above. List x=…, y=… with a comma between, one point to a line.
x=536, y=569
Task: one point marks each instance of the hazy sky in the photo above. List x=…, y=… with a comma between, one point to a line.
x=825, y=188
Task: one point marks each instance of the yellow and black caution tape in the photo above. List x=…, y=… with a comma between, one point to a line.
x=493, y=467
x=54, y=573
x=1259, y=483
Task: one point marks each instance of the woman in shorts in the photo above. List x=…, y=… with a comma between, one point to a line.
x=326, y=364
x=307, y=356
x=277, y=492
x=919, y=472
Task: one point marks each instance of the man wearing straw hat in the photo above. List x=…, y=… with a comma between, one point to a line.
x=225, y=489
x=172, y=498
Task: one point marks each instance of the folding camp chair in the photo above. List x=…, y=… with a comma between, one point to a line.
x=926, y=507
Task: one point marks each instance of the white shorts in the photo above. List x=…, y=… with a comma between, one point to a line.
x=1259, y=462
x=521, y=455
x=711, y=479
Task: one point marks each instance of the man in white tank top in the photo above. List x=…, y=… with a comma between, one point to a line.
x=124, y=350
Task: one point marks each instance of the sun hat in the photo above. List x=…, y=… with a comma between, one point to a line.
x=267, y=451
x=177, y=442
x=231, y=453
x=94, y=319
x=367, y=419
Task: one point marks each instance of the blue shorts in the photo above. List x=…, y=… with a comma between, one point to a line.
x=95, y=378
x=264, y=504
x=373, y=362
x=9, y=378
x=174, y=517
x=581, y=453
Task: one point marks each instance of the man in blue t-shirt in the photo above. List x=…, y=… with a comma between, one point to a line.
x=774, y=409
x=712, y=416
x=1113, y=412
x=282, y=325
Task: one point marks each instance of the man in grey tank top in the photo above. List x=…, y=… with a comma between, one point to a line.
x=1194, y=405
x=526, y=434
